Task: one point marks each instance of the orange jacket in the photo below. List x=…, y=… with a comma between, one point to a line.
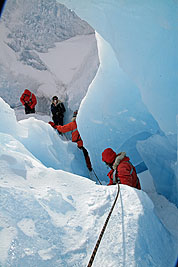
x=28, y=98
x=71, y=126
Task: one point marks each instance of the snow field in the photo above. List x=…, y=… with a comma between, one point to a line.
x=54, y=217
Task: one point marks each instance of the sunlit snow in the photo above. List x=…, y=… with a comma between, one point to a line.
x=51, y=209
x=53, y=217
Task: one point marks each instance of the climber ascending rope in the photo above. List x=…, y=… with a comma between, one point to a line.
x=72, y=126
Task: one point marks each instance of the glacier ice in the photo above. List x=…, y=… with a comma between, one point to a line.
x=133, y=95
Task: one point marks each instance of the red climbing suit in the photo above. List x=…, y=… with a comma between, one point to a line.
x=29, y=98
x=71, y=126
x=125, y=171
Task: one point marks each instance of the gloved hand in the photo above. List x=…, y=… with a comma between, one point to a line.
x=53, y=124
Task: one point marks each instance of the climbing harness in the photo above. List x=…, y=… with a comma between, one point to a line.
x=103, y=229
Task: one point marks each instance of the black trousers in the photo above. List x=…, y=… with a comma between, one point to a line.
x=29, y=110
x=58, y=120
x=87, y=158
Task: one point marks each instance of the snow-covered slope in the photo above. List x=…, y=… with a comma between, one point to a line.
x=51, y=213
x=49, y=50
x=37, y=25
x=53, y=218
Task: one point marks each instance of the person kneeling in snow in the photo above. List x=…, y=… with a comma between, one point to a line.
x=122, y=170
x=29, y=101
x=72, y=126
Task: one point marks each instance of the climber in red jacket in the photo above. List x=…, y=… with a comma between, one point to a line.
x=122, y=170
x=72, y=126
x=29, y=101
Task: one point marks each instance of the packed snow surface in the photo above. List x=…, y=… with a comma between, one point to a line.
x=51, y=216
x=52, y=210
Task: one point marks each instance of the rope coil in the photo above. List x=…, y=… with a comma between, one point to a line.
x=103, y=229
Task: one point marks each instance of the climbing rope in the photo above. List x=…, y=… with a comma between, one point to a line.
x=96, y=177
x=102, y=231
